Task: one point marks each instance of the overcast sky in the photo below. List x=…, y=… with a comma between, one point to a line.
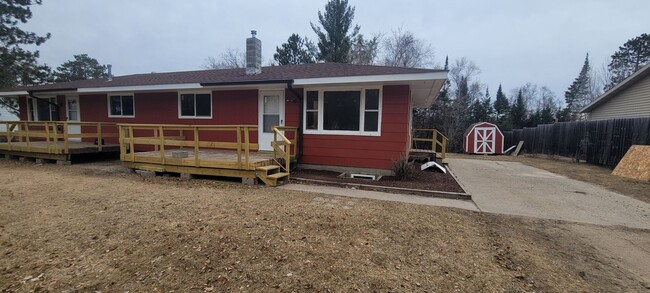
x=512, y=42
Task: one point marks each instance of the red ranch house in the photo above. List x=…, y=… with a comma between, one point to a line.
x=349, y=116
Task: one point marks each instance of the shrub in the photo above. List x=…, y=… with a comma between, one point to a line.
x=402, y=168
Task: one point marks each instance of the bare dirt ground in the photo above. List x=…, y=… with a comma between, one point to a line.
x=579, y=171
x=417, y=179
x=92, y=228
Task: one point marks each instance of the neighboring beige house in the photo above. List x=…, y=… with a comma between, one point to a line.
x=628, y=99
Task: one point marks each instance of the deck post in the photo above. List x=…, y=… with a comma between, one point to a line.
x=10, y=133
x=162, y=144
x=131, y=143
x=29, y=146
x=196, y=147
x=66, y=149
x=247, y=146
x=47, y=137
x=56, y=141
x=239, y=146
x=120, y=140
x=99, y=136
x=155, y=134
x=434, y=142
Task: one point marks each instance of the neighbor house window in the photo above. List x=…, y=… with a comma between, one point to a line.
x=121, y=106
x=193, y=105
x=352, y=112
x=41, y=110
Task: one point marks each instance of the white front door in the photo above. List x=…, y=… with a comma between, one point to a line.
x=271, y=113
x=72, y=115
x=484, y=140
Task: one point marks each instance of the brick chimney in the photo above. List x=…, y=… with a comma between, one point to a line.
x=253, y=55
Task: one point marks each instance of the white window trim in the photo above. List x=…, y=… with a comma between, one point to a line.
x=362, y=111
x=194, y=93
x=33, y=114
x=108, y=104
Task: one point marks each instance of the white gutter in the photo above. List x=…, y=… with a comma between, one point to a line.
x=370, y=78
x=157, y=87
x=14, y=93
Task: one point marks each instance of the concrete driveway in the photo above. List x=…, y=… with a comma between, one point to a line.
x=517, y=189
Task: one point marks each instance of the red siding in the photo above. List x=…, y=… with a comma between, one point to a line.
x=228, y=108
x=366, y=151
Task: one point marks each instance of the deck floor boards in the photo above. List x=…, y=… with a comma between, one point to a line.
x=208, y=156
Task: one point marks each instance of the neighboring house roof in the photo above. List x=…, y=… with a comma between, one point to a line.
x=613, y=92
x=425, y=82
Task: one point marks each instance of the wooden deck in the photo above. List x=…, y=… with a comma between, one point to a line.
x=208, y=158
x=51, y=139
x=216, y=150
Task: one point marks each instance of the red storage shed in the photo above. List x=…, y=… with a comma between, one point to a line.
x=483, y=138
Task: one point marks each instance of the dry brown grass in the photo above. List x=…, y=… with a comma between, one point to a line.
x=74, y=229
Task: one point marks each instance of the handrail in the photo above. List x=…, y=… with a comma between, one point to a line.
x=52, y=132
x=159, y=137
x=435, y=142
x=278, y=151
x=294, y=141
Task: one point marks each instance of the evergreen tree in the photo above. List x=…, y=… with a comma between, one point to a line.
x=81, y=68
x=577, y=96
x=546, y=116
x=296, y=50
x=501, y=109
x=629, y=58
x=482, y=109
x=518, y=112
x=364, y=51
x=19, y=66
x=334, y=42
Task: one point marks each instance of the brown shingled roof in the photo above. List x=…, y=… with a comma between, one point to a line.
x=286, y=72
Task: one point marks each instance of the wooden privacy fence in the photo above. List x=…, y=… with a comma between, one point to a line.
x=54, y=137
x=429, y=140
x=602, y=142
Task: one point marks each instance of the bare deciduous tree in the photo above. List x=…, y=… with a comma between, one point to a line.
x=231, y=58
x=403, y=49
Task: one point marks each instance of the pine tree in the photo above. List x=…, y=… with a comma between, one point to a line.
x=18, y=66
x=577, y=96
x=518, y=112
x=629, y=58
x=296, y=50
x=81, y=68
x=334, y=42
x=501, y=109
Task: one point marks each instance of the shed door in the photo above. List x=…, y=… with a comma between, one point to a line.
x=484, y=140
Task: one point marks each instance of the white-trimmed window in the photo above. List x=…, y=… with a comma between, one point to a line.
x=343, y=111
x=121, y=105
x=41, y=110
x=195, y=105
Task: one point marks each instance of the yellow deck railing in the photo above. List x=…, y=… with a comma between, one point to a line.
x=161, y=137
x=429, y=140
x=52, y=137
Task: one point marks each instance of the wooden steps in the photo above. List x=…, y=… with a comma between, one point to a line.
x=271, y=175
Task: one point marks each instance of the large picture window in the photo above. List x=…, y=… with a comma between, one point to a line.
x=41, y=110
x=193, y=105
x=345, y=111
x=121, y=106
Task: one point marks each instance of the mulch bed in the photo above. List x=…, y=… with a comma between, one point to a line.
x=425, y=180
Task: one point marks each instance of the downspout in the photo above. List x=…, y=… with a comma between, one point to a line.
x=300, y=115
x=58, y=110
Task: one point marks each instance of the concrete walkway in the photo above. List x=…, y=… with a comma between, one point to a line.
x=517, y=189
x=415, y=199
